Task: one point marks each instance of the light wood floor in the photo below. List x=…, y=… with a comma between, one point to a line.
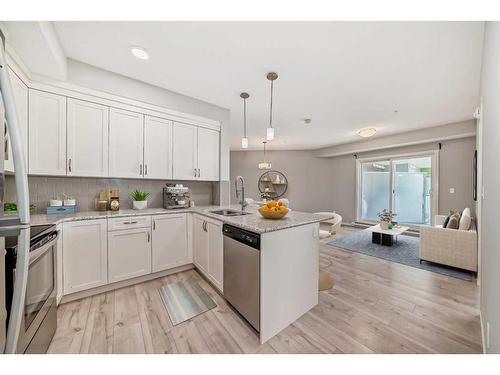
x=375, y=307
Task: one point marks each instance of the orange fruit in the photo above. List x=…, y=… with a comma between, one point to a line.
x=271, y=203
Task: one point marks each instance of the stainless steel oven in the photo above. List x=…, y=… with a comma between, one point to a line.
x=39, y=322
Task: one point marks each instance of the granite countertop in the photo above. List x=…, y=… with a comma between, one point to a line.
x=253, y=222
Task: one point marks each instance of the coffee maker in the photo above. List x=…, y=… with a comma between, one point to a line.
x=176, y=196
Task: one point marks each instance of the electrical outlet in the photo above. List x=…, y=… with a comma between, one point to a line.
x=452, y=190
x=487, y=338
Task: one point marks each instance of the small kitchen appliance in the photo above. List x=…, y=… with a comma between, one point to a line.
x=177, y=196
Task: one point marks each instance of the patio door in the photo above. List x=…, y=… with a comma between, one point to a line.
x=405, y=185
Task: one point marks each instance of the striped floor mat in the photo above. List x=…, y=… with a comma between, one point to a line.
x=185, y=300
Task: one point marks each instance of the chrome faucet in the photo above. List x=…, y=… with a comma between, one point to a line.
x=241, y=190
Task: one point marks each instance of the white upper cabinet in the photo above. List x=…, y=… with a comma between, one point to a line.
x=185, y=152
x=208, y=154
x=47, y=133
x=125, y=143
x=87, y=146
x=195, y=153
x=157, y=148
x=20, y=91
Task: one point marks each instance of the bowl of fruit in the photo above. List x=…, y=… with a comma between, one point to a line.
x=273, y=210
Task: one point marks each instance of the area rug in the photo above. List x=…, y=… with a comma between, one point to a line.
x=184, y=300
x=404, y=251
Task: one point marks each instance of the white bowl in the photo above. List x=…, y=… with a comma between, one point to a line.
x=70, y=202
x=55, y=203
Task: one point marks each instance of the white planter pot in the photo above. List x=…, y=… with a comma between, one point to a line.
x=140, y=205
x=384, y=225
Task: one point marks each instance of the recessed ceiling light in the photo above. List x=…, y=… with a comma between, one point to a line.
x=139, y=52
x=366, y=132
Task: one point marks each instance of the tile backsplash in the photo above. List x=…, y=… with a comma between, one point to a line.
x=86, y=190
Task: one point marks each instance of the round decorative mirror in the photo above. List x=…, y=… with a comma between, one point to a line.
x=272, y=184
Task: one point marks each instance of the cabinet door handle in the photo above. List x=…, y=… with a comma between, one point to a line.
x=69, y=165
x=145, y=169
x=195, y=172
x=199, y=174
x=154, y=224
x=149, y=236
x=140, y=169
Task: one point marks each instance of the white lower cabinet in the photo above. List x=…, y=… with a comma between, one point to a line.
x=170, y=242
x=208, y=249
x=129, y=253
x=200, y=243
x=85, y=261
x=215, y=253
x=59, y=264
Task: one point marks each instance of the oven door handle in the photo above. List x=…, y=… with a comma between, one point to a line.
x=34, y=255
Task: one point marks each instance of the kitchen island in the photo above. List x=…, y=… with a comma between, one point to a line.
x=288, y=261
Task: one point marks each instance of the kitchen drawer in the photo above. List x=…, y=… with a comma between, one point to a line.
x=129, y=222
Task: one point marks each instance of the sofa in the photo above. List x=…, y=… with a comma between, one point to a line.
x=451, y=247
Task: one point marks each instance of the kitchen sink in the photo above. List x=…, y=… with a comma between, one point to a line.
x=229, y=212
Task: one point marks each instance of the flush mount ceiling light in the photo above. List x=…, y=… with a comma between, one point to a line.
x=264, y=164
x=366, y=132
x=139, y=52
x=244, y=140
x=272, y=76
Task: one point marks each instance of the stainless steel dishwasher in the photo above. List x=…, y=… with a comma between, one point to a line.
x=242, y=272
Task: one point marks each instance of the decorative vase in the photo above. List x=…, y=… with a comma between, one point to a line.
x=384, y=225
x=140, y=205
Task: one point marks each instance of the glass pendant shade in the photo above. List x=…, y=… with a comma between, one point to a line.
x=244, y=142
x=270, y=134
x=244, y=139
x=264, y=165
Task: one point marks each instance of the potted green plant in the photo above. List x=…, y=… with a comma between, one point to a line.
x=385, y=218
x=140, y=199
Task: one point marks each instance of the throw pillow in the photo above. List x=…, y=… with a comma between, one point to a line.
x=446, y=221
x=453, y=222
x=465, y=220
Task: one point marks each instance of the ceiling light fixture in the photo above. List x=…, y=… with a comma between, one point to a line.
x=244, y=140
x=139, y=52
x=264, y=164
x=272, y=76
x=366, y=132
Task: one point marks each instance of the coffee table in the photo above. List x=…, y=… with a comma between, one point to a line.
x=386, y=236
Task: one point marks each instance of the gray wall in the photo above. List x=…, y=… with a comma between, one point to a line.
x=86, y=190
x=322, y=184
x=309, y=178
x=490, y=217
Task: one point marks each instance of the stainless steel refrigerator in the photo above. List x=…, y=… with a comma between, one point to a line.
x=17, y=225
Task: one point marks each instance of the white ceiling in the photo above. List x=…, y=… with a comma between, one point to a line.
x=342, y=75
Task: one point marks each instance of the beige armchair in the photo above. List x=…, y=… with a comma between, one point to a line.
x=336, y=223
x=452, y=247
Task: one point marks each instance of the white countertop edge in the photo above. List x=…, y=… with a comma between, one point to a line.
x=254, y=222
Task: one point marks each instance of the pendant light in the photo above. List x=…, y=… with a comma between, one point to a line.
x=244, y=140
x=272, y=76
x=264, y=164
